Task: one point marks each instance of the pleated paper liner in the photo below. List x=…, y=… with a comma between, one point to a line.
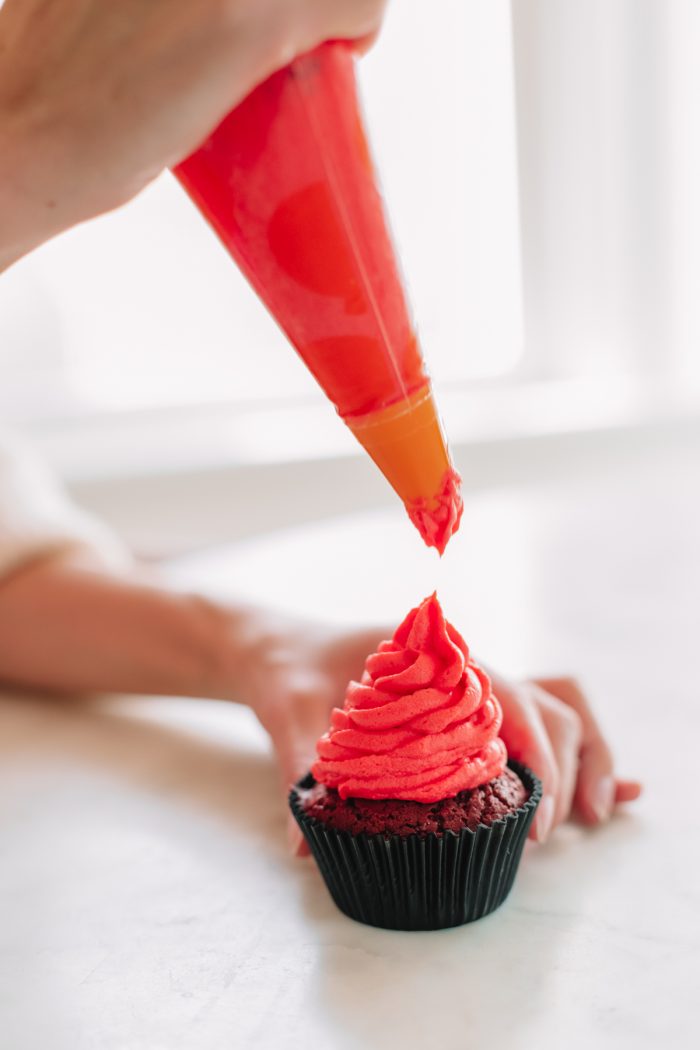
x=420, y=882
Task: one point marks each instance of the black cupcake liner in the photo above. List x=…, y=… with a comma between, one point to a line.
x=419, y=882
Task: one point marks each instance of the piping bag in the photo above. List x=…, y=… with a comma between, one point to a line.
x=288, y=184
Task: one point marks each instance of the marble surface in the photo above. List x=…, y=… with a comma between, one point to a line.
x=146, y=900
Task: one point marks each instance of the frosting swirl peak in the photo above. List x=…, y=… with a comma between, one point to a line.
x=422, y=723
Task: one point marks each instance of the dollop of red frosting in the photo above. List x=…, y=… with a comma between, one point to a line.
x=438, y=519
x=422, y=724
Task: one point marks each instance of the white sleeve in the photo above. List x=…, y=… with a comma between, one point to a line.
x=38, y=518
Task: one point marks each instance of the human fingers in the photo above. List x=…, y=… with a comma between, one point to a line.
x=365, y=43
x=597, y=789
x=525, y=736
x=627, y=790
x=293, y=760
x=565, y=731
x=358, y=20
x=295, y=722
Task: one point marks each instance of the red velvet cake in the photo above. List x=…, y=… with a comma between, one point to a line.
x=482, y=805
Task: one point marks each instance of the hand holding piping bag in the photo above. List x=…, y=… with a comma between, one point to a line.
x=97, y=98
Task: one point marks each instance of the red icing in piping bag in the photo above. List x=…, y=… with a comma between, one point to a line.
x=422, y=724
x=288, y=184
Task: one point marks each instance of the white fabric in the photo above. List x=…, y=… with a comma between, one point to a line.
x=38, y=518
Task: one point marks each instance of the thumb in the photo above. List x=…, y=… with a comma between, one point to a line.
x=294, y=743
x=294, y=760
x=365, y=43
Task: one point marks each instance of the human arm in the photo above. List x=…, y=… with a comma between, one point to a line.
x=67, y=625
x=77, y=615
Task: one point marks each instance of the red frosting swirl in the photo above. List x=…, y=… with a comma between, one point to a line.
x=422, y=723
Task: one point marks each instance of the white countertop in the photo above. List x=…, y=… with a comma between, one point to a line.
x=146, y=900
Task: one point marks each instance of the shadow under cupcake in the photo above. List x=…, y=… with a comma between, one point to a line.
x=411, y=813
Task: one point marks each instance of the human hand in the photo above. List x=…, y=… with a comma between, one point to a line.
x=296, y=674
x=302, y=674
x=549, y=726
x=97, y=98
x=129, y=635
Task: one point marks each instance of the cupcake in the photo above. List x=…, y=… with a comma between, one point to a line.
x=414, y=814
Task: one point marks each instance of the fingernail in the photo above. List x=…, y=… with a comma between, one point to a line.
x=544, y=818
x=294, y=837
x=603, y=798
